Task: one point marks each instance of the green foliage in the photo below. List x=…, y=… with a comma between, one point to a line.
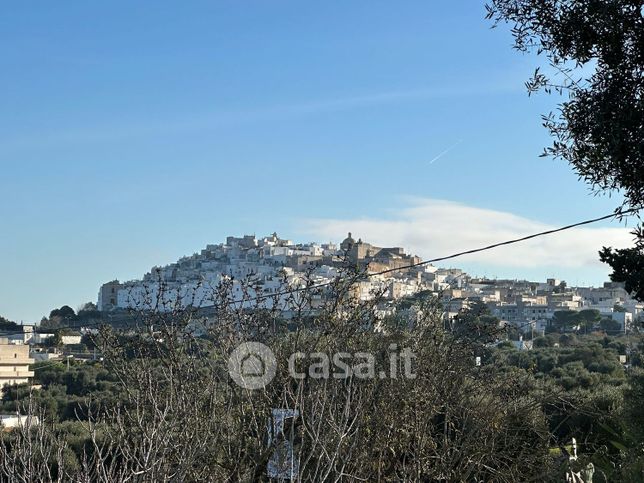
x=589, y=317
x=65, y=312
x=628, y=266
x=540, y=342
x=477, y=324
x=8, y=325
x=89, y=312
x=596, y=49
x=567, y=340
x=599, y=403
x=566, y=320
x=610, y=326
x=50, y=324
x=65, y=393
x=634, y=396
x=527, y=404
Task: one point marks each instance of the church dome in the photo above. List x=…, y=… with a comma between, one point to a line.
x=347, y=243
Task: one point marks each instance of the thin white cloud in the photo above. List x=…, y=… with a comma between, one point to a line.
x=434, y=228
x=206, y=121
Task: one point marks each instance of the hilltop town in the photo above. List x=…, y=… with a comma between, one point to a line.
x=533, y=308
x=273, y=262
x=278, y=267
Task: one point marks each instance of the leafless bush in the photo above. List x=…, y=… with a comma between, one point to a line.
x=182, y=418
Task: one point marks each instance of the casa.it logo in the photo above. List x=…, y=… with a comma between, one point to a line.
x=252, y=365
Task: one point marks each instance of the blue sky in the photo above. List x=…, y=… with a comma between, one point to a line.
x=132, y=133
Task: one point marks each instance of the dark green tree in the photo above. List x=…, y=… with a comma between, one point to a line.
x=628, y=265
x=611, y=326
x=87, y=312
x=564, y=320
x=589, y=318
x=477, y=323
x=65, y=312
x=596, y=49
x=8, y=325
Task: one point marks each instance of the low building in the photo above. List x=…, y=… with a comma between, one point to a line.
x=14, y=363
x=40, y=356
x=625, y=319
x=24, y=337
x=40, y=338
x=522, y=345
x=70, y=339
x=10, y=421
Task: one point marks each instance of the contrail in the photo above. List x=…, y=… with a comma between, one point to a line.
x=446, y=151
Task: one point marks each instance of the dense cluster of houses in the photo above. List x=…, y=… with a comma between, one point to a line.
x=276, y=265
x=265, y=268
x=531, y=306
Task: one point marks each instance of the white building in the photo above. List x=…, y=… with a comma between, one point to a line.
x=14, y=363
x=25, y=337
x=11, y=421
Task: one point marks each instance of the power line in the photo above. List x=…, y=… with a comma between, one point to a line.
x=404, y=267
x=509, y=242
x=452, y=256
